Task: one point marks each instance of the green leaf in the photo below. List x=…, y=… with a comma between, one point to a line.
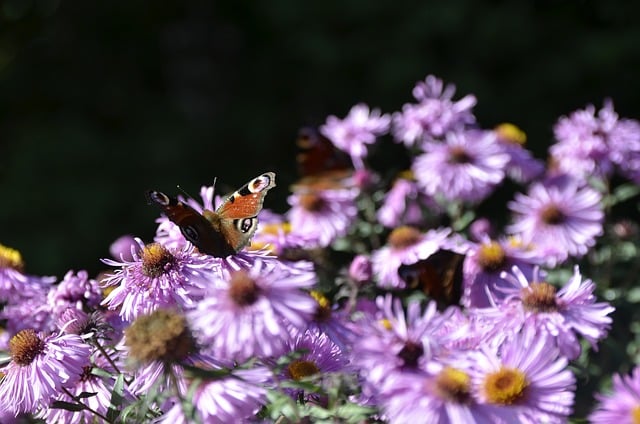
x=117, y=397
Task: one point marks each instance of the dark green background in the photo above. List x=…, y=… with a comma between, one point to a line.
x=102, y=100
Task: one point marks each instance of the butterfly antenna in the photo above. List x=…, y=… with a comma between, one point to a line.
x=184, y=192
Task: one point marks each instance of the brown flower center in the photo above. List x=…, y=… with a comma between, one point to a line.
x=156, y=260
x=300, y=369
x=458, y=155
x=311, y=202
x=25, y=346
x=539, y=297
x=552, y=215
x=403, y=237
x=411, y=353
x=243, y=289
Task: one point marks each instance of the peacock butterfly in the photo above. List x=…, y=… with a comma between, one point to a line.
x=228, y=229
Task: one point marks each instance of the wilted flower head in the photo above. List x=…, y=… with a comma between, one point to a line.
x=40, y=367
x=353, y=133
x=466, y=166
x=434, y=115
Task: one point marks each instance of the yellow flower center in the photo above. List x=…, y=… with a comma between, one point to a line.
x=635, y=414
x=323, y=311
x=454, y=385
x=386, y=324
x=10, y=258
x=156, y=260
x=511, y=134
x=506, y=386
x=491, y=256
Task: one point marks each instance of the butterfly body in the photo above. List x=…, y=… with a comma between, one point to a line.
x=226, y=230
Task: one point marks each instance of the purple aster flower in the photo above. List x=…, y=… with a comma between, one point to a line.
x=442, y=396
x=13, y=282
x=331, y=320
x=522, y=167
x=320, y=355
x=466, y=166
x=31, y=311
x=75, y=291
x=622, y=405
x=405, y=203
x=232, y=399
x=122, y=248
x=247, y=314
x=40, y=367
x=558, y=220
x=526, y=376
x=562, y=315
x=353, y=133
x=590, y=144
x=405, y=246
x=158, y=277
x=99, y=386
x=394, y=340
x=435, y=114
x=484, y=265
x=320, y=215
x=360, y=270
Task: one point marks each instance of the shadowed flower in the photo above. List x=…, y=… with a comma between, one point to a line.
x=405, y=203
x=522, y=167
x=247, y=314
x=14, y=284
x=558, y=220
x=353, y=133
x=40, y=368
x=434, y=115
x=75, y=291
x=405, y=246
x=622, y=404
x=157, y=277
x=465, y=167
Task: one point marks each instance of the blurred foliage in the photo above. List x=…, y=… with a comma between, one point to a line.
x=100, y=101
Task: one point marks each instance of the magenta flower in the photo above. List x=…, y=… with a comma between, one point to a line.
x=435, y=114
x=562, y=316
x=353, y=133
x=40, y=367
x=466, y=166
x=158, y=277
x=622, y=405
x=558, y=220
x=247, y=314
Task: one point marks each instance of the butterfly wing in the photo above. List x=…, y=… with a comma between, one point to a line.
x=194, y=226
x=238, y=213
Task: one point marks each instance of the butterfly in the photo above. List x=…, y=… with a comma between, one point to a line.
x=439, y=276
x=227, y=230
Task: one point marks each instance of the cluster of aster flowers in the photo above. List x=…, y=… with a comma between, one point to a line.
x=369, y=299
